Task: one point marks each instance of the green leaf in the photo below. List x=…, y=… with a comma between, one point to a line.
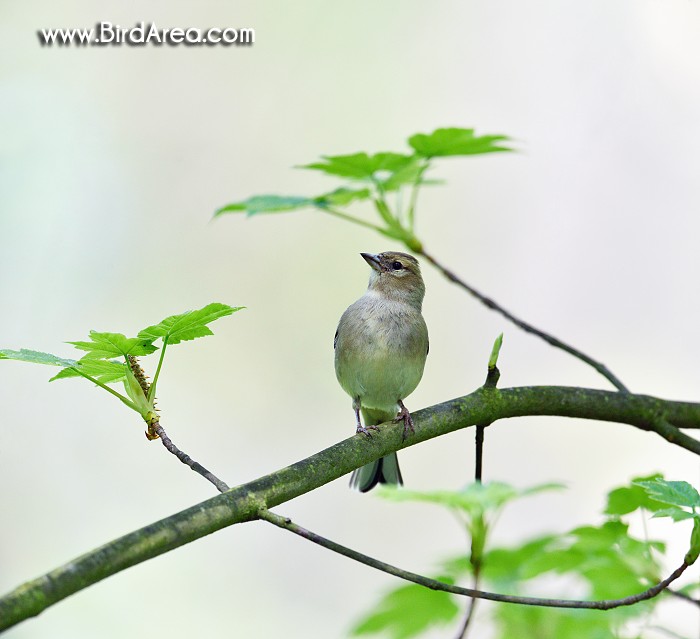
x=675, y=513
x=360, y=166
x=458, y=566
x=408, y=174
x=454, y=141
x=35, y=357
x=143, y=405
x=676, y=493
x=266, y=204
x=627, y=499
x=507, y=566
x=106, y=371
x=341, y=197
x=107, y=345
x=694, y=551
x=188, y=325
x=553, y=623
x=474, y=499
x=493, y=360
x=596, y=538
x=614, y=563
x=409, y=611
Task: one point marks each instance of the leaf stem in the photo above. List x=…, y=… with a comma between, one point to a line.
x=385, y=213
x=469, y=615
x=345, y=216
x=152, y=389
x=414, y=194
x=119, y=396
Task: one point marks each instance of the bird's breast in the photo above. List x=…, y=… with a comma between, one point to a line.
x=381, y=351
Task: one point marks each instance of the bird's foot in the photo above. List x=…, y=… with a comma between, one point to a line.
x=365, y=431
x=405, y=416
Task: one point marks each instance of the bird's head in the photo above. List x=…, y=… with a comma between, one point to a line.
x=396, y=276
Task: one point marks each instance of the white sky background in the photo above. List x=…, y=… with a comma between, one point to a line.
x=112, y=162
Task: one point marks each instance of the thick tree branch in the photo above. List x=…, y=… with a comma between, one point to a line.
x=434, y=584
x=243, y=503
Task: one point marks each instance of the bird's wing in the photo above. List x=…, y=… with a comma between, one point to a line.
x=335, y=339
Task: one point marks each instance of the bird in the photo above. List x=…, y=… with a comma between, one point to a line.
x=381, y=345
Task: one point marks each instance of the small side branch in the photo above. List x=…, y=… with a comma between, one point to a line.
x=479, y=443
x=492, y=377
x=434, y=584
x=464, y=626
x=221, y=486
x=674, y=435
x=550, y=339
x=155, y=430
x=684, y=597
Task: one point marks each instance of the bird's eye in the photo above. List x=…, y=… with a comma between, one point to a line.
x=397, y=266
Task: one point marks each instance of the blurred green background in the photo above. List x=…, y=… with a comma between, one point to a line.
x=112, y=163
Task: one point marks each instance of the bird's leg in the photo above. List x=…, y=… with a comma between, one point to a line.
x=405, y=416
x=360, y=428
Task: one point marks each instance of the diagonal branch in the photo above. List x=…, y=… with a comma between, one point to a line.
x=529, y=328
x=434, y=584
x=243, y=503
x=155, y=430
x=221, y=486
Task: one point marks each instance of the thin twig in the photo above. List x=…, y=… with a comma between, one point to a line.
x=156, y=430
x=479, y=441
x=464, y=626
x=414, y=195
x=550, y=339
x=674, y=435
x=666, y=632
x=492, y=377
x=221, y=486
x=684, y=597
x=434, y=584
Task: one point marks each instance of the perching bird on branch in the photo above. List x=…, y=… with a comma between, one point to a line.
x=380, y=350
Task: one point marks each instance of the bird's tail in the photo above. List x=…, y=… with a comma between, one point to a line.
x=381, y=471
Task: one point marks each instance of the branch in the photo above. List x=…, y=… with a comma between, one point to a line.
x=684, y=597
x=155, y=430
x=550, y=339
x=471, y=606
x=221, y=486
x=243, y=503
x=434, y=584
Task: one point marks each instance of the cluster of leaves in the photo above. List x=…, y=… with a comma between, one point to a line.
x=604, y=561
x=99, y=365
x=373, y=176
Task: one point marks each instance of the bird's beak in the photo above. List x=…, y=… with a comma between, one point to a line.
x=372, y=260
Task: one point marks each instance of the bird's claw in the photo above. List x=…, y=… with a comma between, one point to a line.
x=407, y=420
x=365, y=431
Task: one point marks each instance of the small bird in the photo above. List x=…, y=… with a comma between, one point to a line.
x=380, y=349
